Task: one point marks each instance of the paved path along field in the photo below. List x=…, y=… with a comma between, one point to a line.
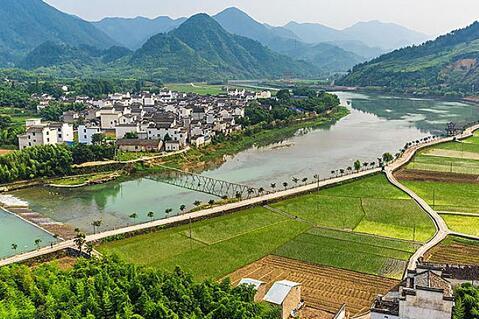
x=442, y=229
x=183, y=218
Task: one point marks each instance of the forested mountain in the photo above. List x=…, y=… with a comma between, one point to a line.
x=448, y=64
x=133, y=33
x=201, y=47
x=25, y=24
x=199, y=50
x=327, y=57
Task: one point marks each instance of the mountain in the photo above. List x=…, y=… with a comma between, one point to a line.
x=448, y=64
x=373, y=34
x=238, y=22
x=200, y=48
x=326, y=57
x=63, y=56
x=315, y=32
x=25, y=24
x=133, y=33
x=388, y=36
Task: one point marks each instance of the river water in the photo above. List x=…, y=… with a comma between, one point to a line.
x=376, y=124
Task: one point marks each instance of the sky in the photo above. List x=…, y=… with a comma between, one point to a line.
x=433, y=17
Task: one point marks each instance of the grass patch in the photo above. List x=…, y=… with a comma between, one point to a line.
x=463, y=224
x=198, y=88
x=445, y=164
x=455, y=250
x=350, y=251
x=219, y=245
x=370, y=205
x=459, y=147
x=444, y=196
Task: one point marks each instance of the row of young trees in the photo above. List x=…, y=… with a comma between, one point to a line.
x=49, y=160
x=110, y=288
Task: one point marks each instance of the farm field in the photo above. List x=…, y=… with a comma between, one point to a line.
x=351, y=251
x=462, y=224
x=455, y=250
x=370, y=205
x=217, y=246
x=323, y=288
x=444, y=196
x=198, y=88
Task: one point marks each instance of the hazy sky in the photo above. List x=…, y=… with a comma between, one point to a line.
x=429, y=16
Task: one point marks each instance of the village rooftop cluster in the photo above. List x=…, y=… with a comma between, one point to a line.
x=146, y=122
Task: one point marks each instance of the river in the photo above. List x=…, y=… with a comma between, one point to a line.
x=376, y=124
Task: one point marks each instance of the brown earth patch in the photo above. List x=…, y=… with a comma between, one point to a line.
x=323, y=288
x=453, y=254
x=424, y=176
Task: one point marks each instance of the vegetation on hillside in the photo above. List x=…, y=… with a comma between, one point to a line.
x=448, y=65
x=109, y=288
x=466, y=302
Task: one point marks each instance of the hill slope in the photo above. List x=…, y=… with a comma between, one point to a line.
x=201, y=49
x=25, y=24
x=133, y=33
x=448, y=64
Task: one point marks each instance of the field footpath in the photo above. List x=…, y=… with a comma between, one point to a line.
x=442, y=230
x=441, y=233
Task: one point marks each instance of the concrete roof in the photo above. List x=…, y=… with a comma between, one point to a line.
x=251, y=282
x=279, y=291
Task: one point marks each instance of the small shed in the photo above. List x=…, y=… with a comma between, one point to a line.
x=286, y=294
x=258, y=285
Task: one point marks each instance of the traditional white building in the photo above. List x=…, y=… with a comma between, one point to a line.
x=423, y=294
x=86, y=132
x=40, y=133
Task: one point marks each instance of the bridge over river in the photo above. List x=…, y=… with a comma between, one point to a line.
x=205, y=184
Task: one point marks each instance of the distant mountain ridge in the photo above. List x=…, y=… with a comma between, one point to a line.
x=25, y=24
x=199, y=50
x=201, y=45
x=133, y=33
x=443, y=66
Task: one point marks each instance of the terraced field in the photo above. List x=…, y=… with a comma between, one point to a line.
x=323, y=288
x=462, y=224
x=358, y=252
x=216, y=247
x=455, y=251
x=446, y=176
x=370, y=205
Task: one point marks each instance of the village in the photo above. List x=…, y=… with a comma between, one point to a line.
x=145, y=122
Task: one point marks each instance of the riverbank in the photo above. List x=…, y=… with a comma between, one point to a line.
x=213, y=155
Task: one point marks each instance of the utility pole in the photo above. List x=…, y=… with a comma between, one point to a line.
x=191, y=244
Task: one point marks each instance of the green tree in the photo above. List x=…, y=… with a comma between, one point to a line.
x=357, y=165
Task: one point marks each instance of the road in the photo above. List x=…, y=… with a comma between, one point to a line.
x=442, y=230
x=194, y=215
x=441, y=227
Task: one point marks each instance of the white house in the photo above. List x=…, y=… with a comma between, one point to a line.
x=286, y=294
x=423, y=294
x=39, y=133
x=86, y=132
x=109, y=120
x=122, y=129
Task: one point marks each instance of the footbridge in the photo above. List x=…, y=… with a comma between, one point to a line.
x=205, y=184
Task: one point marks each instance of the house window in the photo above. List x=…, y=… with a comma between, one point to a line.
x=84, y=130
x=29, y=143
x=59, y=136
x=48, y=132
x=84, y=137
x=48, y=140
x=33, y=133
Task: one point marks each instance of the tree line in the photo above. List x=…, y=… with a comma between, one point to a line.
x=49, y=160
x=110, y=288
